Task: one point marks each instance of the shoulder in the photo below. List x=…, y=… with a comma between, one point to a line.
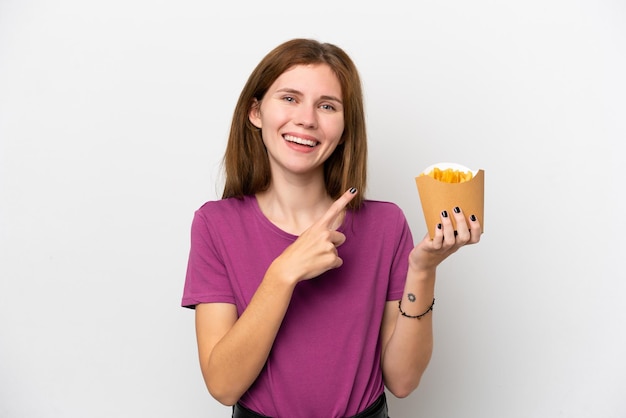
x=377, y=216
x=226, y=207
x=225, y=212
x=380, y=208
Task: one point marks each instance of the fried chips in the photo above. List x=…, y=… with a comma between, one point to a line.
x=449, y=175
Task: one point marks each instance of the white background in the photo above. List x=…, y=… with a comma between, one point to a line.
x=113, y=120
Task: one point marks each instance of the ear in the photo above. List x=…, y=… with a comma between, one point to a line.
x=254, y=115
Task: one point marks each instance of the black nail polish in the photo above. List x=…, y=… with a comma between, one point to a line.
x=353, y=190
x=438, y=226
x=473, y=218
x=457, y=209
x=444, y=213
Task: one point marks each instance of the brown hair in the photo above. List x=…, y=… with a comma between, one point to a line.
x=246, y=164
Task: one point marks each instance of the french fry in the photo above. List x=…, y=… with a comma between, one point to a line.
x=449, y=175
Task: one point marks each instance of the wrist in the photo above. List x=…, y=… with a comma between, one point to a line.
x=422, y=274
x=280, y=276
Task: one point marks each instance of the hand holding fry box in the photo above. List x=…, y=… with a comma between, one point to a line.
x=443, y=186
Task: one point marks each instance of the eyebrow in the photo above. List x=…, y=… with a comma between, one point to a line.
x=294, y=91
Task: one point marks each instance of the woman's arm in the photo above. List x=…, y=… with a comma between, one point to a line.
x=232, y=351
x=407, y=343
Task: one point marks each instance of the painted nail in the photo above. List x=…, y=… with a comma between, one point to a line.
x=457, y=209
x=438, y=226
x=353, y=190
x=473, y=218
x=444, y=213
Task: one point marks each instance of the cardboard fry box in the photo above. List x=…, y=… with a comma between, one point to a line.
x=437, y=196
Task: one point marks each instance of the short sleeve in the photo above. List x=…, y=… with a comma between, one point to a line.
x=206, y=279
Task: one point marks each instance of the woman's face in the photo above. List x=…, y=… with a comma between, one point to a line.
x=301, y=119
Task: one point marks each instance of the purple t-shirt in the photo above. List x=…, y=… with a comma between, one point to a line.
x=325, y=361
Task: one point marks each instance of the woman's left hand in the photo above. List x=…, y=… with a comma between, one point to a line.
x=429, y=253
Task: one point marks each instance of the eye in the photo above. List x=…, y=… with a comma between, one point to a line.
x=328, y=106
x=290, y=99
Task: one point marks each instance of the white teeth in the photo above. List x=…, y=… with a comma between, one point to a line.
x=300, y=140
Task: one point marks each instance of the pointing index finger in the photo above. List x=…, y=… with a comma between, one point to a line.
x=330, y=217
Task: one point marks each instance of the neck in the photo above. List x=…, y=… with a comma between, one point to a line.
x=294, y=207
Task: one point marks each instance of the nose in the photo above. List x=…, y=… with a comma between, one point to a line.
x=306, y=116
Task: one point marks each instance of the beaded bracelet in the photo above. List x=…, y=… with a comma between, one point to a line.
x=430, y=308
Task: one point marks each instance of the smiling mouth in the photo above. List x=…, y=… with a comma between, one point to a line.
x=301, y=141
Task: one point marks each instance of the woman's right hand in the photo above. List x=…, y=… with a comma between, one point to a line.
x=315, y=250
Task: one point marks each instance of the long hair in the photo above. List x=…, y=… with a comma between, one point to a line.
x=246, y=163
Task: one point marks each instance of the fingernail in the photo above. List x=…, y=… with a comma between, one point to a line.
x=353, y=190
x=438, y=226
x=473, y=218
x=456, y=209
x=444, y=213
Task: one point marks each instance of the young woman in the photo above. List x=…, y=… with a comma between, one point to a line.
x=309, y=299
